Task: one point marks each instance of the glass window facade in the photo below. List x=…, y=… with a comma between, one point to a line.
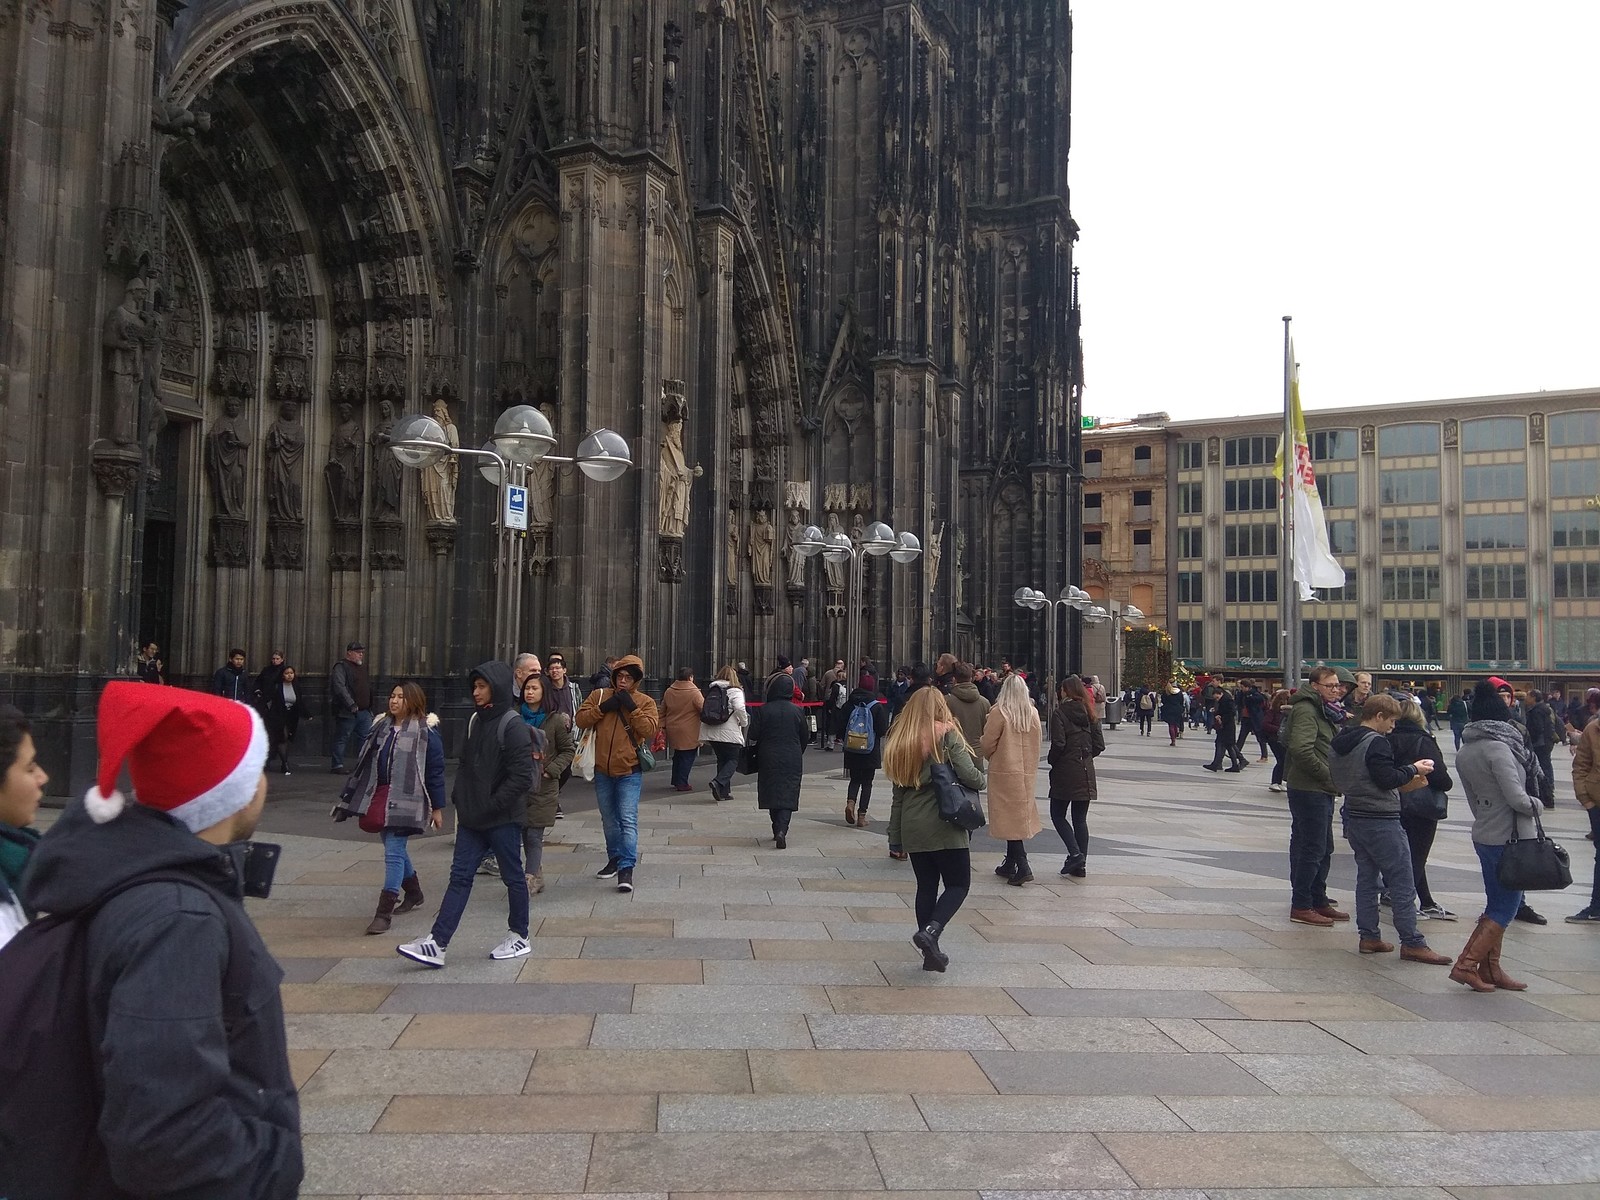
x=1497, y=639
x=1327, y=640
x=1411, y=639
x=1188, y=639
x=1250, y=541
x=1411, y=583
x=1250, y=587
x=1575, y=428
x=1419, y=485
x=1189, y=498
x=1577, y=641
x=1337, y=489
x=1342, y=537
x=1190, y=542
x=1493, y=433
x=1575, y=477
x=1334, y=445
x=1189, y=587
x=1577, y=581
x=1494, y=531
x=1249, y=495
x=1503, y=481
x=1579, y=528
x=1410, y=535
x=1497, y=581
x=1191, y=456
x=1400, y=441
x=1334, y=595
x=1249, y=451
x=1250, y=639
x=1092, y=539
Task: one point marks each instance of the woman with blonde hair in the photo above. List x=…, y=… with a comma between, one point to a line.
x=924, y=734
x=1010, y=746
x=1075, y=740
x=725, y=737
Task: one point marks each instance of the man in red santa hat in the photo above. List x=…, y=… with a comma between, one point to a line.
x=197, y=1095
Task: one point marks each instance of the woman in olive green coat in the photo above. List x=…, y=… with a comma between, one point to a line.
x=553, y=748
x=923, y=734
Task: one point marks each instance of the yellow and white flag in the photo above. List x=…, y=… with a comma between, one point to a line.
x=1314, y=563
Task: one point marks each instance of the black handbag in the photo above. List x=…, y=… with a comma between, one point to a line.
x=1425, y=804
x=1534, y=864
x=747, y=759
x=958, y=803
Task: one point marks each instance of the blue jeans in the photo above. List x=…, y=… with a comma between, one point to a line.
x=358, y=723
x=1383, y=862
x=617, y=797
x=1502, y=904
x=1310, y=847
x=682, y=764
x=396, y=861
x=727, y=762
x=1594, y=828
x=471, y=846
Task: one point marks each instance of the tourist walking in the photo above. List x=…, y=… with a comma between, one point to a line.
x=283, y=707
x=1010, y=748
x=1272, y=730
x=1075, y=741
x=1315, y=715
x=1543, y=733
x=723, y=721
x=967, y=704
x=229, y=680
x=779, y=733
x=622, y=718
x=1361, y=761
x=680, y=717
x=1145, y=709
x=552, y=746
x=866, y=725
x=493, y=779
x=1586, y=783
x=267, y=681
x=22, y=782
x=1224, y=723
x=1493, y=767
x=1421, y=810
x=1457, y=712
x=397, y=791
x=1174, y=707
x=350, y=693
x=924, y=734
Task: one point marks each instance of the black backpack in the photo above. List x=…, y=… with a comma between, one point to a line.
x=50, y=1092
x=715, y=709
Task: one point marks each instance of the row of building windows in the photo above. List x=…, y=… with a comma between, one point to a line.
x=1400, y=535
x=1405, y=639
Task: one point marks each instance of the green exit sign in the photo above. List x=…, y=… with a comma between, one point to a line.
x=1089, y=422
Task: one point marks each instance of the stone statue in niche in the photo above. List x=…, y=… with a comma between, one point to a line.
x=935, y=553
x=733, y=549
x=672, y=515
x=795, y=562
x=762, y=537
x=286, y=447
x=123, y=341
x=386, y=467
x=344, y=469
x=961, y=570
x=439, y=480
x=834, y=570
x=227, y=445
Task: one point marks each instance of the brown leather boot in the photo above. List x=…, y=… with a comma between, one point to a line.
x=380, y=919
x=1376, y=946
x=1495, y=973
x=1472, y=966
x=413, y=891
x=1424, y=954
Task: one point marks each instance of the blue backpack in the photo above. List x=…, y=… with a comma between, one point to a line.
x=860, y=734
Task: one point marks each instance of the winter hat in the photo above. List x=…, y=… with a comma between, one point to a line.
x=868, y=682
x=1500, y=685
x=195, y=757
x=1486, y=704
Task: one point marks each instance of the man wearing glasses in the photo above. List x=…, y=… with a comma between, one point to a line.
x=1314, y=716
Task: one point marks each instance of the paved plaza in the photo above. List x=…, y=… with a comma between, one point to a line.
x=756, y=1021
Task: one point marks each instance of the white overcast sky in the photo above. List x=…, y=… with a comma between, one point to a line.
x=1416, y=182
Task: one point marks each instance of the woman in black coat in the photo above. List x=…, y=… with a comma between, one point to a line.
x=1410, y=737
x=285, y=704
x=1075, y=740
x=779, y=732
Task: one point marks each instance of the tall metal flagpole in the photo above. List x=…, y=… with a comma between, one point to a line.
x=1288, y=594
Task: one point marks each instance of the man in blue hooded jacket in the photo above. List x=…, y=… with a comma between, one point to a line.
x=491, y=790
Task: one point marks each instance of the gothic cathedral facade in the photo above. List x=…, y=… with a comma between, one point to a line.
x=812, y=259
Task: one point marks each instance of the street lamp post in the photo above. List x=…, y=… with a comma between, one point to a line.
x=522, y=437
x=1072, y=597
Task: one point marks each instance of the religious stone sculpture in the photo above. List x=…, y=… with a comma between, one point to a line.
x=125, y=335
x=226, y=447
x=673, y=494
x=834, y=569
x=286, y=446
x=935, y=553
x=439, y=479
x=733, y=549
x=385, y=467
x=762, y=537
x=344, y=469
x=796, y=561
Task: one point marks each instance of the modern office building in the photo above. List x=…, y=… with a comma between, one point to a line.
x=1469, y=531
x=1127, y=530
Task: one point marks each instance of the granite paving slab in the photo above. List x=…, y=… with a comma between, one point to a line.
x=782, y=1113
x=612, y=970
x=1118, y=1002
x=1500, y=1114
x=994, y=1159
x=702, y=1162
x=687, y=1031
x=750, y=998
x=519, y=1114
x=1048, y=1114
x=441, y=1162
x=509, y=997
x=1042, y=1073
x=1123, y=1035
x=638, y=1072
x=854, y=1072
x=1455, y=1159
x=1239, y=1160
x=1200, y=979
x=1524, y=1075
x=975, y=1001
x=349, y=1031
x=666, y=947
x=333, y=997
x=900, y=1032
x=343, y=1114
x=803, y=972
x=420, y=1073
x=1570, y=1037
x=1291, y=1114
x=306, y=970
x=1349, y=1075
x=1434, y=1037
x=1464, y=1005
x=1290, y=1037
x=494, y=1031
x=1311, y=1006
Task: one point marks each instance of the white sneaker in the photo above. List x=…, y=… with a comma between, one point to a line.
x=514, y=946
x=1437, y=912
x=424, y=950
x=1276, y=787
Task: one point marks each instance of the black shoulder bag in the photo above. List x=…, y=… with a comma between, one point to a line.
x=958, y=803
x=1534, y=864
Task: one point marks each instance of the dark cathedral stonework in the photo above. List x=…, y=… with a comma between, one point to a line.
x=277, y=227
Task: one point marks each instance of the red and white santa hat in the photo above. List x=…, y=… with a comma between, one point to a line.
x=195, y=757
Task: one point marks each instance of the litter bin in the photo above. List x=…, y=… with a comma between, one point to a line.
x=1114, y=712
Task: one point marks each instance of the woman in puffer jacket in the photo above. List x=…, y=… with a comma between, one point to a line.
x=1493, y=769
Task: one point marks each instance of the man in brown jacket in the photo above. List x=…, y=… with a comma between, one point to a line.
x=680, y=713
x=1586, y=782
x=619, y=718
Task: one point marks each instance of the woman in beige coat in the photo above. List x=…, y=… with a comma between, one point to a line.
x=1011, y=737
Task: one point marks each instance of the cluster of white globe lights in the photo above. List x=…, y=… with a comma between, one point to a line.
x=523, y=436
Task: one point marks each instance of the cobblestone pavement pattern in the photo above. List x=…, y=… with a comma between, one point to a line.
x=755, y=1021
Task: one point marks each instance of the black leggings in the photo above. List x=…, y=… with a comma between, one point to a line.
x=1419, y=834
x=1277, y=760
x=1075, y=837
x=860, y=793
x=954, y=867
x=1017, y=852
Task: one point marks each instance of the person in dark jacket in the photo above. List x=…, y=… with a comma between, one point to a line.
x=779, y=731
x=283, y=707
x=1225, y=716
x=229, y=680
x=1315, y=714
x=1457, y=712
x=349, y=701
x=1411, y=741
x=863, y=765
x=197, y=1098
x=1075, y=741
x=493, y=780
x=267, y=681
x=1543, y=733
x=22, y=782
x=1362, y=764
x=1174, y=706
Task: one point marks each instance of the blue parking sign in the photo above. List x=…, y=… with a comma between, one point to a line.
x=516, y=514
